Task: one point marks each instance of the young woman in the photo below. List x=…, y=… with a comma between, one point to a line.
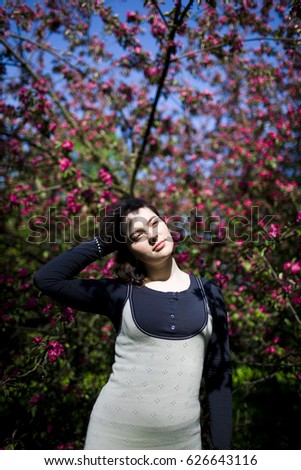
x=171, y=331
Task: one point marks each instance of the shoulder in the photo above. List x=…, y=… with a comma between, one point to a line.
x=211, y=286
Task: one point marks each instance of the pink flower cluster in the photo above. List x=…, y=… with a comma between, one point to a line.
x=73, y=205
x=35, y=398
x=274, y=230
x=158, y=28
x=23, y=197
x=152, y=72
x=67, y=314
x=105, y=176
x=64, y=164
x=132, y=16
x=107, y=329
x=55, y=350
x=272, y=349
x=107, y=269
x=294, y=267
x=67, y=446
x=67, y=145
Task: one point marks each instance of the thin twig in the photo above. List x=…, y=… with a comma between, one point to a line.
x=222, y=44
x=160, y=12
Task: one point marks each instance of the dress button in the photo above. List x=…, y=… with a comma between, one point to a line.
x=172, y=327
x=172, y=316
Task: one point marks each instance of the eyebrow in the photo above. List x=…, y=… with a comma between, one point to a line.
x=140, y=229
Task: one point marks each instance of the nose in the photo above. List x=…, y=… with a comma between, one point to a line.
x=152, y=239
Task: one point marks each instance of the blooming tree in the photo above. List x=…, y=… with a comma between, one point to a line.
x=194, y=105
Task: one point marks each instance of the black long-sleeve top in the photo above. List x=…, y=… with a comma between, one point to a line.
x=58, y=279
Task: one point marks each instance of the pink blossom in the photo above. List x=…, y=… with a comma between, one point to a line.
x=270, y=350
x=299, y=216
x=152, y=72
x=72, y=205
x=208, y=192
x=131, y=16
x=107, y=269
x=67, y=315
x=35, y=399
x=171, y=187
x=107, y=328
x=107, y=196
x=106, y=332
x=22, y=272
x=274, y=230
x=47, y=308
x=248, y=203
x=287, y=288
x=67, y=446
x=105, y=176
x=65, y=163
x=13, y=199
x=297, y=299
x=158, y=28
x=287, y=265
x=25, y=286
x=38, y=340
x=222, y=280
x=55, y=351
x=295, y=268
x=67, y=145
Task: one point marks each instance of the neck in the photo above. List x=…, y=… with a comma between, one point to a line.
x=167, y=270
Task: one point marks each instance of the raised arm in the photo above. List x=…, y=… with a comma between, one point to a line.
x=57, y=279
x=217, y=372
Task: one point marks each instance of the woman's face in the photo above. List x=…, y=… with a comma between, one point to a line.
x=148, y=237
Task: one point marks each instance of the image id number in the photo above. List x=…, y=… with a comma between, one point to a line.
x=221, y=460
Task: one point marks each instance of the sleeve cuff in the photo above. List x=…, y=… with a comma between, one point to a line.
x=99, y=248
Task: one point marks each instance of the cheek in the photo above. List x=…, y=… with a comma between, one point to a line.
x=165, y=230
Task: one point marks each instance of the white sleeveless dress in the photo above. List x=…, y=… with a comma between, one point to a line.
x=151, y=400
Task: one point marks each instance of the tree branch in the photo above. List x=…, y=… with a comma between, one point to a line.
x=170, y=50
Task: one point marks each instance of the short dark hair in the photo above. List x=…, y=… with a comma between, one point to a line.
x=127, y=267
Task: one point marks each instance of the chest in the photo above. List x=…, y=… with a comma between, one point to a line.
x=169, y=315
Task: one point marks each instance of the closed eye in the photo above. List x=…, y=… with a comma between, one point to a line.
x=136, y=236
x=154, y=223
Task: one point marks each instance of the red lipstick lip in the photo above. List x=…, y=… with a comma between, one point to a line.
x=158, y=246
